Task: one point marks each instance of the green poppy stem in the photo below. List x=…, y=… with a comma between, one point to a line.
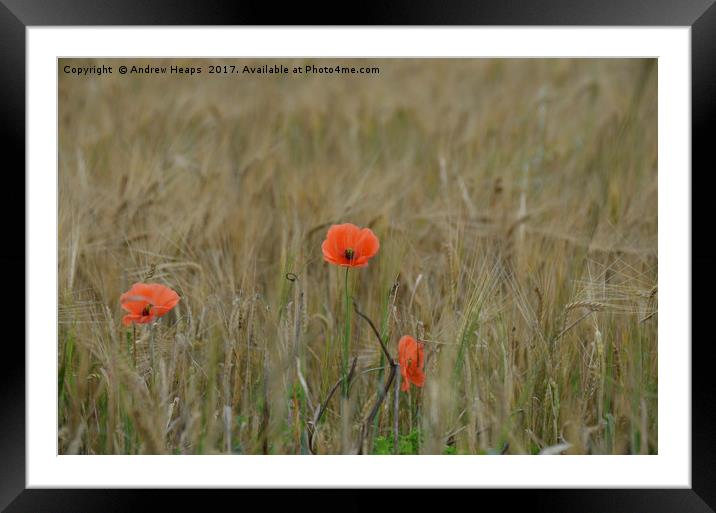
x=346, y=337
x=134, y=344
x=151, y=350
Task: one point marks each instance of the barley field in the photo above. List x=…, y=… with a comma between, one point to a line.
x=515, y=202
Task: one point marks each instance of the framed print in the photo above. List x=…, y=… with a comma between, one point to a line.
x=359, y=257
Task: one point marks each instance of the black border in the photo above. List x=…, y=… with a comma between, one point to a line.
x=16, y=15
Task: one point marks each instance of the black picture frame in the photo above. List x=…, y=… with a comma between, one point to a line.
x=17, y=15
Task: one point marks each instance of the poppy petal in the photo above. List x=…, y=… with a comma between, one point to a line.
x=405, y=385
x=167, y=297
x=134, y=307
x=328, y=252
x=336, y=237
x=136, y=298
x=347, y=237
x=367, y=244
x=138, y=290
x=140, y=295
x=418, y=378
x=129, y=318
x=145, y=319
x=341, y=237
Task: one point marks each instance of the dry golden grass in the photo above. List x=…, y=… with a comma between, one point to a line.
x=516, y=204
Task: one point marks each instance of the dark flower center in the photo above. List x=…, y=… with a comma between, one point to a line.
x=147, y=309
x=350, y=254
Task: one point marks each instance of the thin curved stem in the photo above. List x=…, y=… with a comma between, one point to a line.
x=313, y=424
x=377, y=334
x=365, y=427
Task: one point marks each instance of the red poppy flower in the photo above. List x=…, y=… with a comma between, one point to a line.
x=411, y=357
x=349, y=246
x=146, y=301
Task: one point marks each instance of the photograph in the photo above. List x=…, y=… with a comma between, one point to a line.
x=357, y=256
